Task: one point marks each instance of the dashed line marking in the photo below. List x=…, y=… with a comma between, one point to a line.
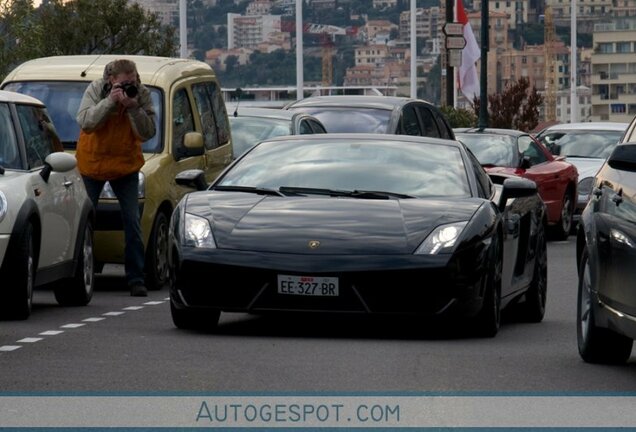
x=132, y=308
x=113, y=313
x=10, y=347
x=153, y=303
x=72, y=325
x=30, y=340
x=51, y=332
x=94, y=319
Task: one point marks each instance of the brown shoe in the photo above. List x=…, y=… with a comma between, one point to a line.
x=138, y=290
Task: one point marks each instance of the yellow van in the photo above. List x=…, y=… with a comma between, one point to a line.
x=192, y=133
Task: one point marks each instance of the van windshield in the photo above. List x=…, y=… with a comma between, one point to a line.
x=62, y=99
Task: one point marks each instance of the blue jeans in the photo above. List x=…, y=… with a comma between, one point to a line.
x=126, y=190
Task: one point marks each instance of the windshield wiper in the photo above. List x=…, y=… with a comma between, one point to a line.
x=251, y=189
x=363, y=194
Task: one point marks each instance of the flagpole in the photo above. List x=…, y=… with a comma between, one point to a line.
x=573, y=65
x=455, y=68
x=183, y=29
x=299, y=50
x=413, y=52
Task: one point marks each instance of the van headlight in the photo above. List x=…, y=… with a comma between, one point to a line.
x=4, y=206
x=197, y=232
x=107, y=191
x=442, y=240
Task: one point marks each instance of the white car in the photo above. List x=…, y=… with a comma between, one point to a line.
x=46, y=218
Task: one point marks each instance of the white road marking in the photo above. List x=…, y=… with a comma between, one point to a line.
x=30, y=340
x=113, y=313
x=72, y=325
x=95, y=319
x=51, y=332
x=131, y=308
x=153, y=303
x=10, y=347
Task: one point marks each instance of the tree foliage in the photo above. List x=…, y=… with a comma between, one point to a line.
x=517, y=107
x=79, y=27
x=459, y=117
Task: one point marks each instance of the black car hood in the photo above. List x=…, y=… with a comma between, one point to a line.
x=243, y=221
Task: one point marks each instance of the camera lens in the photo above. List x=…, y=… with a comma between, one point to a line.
x=130, y=90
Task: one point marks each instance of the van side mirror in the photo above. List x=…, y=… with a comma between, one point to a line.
x=623, y=157
x=192, y=145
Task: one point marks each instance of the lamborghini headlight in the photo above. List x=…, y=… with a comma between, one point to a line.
x=197, y=232
x=4, y=205
x=442, y=240
x=108, y=193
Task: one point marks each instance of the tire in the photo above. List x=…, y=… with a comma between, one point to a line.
x=78, y=290
x=195, y=319
x=596, y=344
x=20, y=274
x=488, y=319
x=533, y=308
x=157, y=268
x=561, y=231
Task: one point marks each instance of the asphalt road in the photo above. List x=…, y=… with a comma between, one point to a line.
x=120, y=343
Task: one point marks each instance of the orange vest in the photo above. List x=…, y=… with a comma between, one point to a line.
x=111, y=151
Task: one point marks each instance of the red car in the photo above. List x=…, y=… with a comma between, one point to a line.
x=515, y=152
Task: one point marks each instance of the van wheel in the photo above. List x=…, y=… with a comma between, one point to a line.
x=20, y=274
x=78, y=290
x=157, y=268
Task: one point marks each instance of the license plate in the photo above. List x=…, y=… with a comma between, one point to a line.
x=308, y=285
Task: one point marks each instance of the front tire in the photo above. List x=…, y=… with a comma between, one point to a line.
x=20, y=276
x=564, y=225
x=533, y=308
x=157, y=268
x=596, y=344
x=78, y=290
x=488, y=319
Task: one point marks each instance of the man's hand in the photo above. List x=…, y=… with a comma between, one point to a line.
x=117, y=95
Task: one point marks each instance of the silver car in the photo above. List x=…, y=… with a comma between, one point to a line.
x=586, y=146
x=46, y=218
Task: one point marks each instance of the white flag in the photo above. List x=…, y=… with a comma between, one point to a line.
x=468, y=79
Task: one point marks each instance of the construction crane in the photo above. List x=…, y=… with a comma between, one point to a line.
x=550, y=66
x=326, y=44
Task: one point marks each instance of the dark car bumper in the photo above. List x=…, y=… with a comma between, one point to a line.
x=413, y=285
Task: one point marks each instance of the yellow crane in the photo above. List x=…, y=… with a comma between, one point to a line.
x=550, y=66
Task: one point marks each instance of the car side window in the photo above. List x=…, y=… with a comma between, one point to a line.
x=410, y=124
x=531, y=150
x=206, y=114
x=484, y=185
x=444, y=130
x=428, y=122
x=317, y=127
x=305, y=128
x=220, y=112
x=182, y=119
x=9, y=150
x=40, y=138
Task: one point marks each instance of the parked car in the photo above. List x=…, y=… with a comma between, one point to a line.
x=46, y=218
x=251, y=125
x=376, y=114
x=518, y=153
x=586, y=146
x=606, y=253
x=339, y=222
x=189, y=109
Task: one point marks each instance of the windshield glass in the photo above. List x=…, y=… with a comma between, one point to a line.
x=589, y=144
x=63, y=98
x=247, y=131
x=9, y=153
x=414, y=169
x=351, y=119
x=492, y=150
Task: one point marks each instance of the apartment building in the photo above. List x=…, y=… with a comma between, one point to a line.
x=428, y=23
x=614, y=71
x=250, y=31
x=516, y=10
x=584, y=105
x=259, y=7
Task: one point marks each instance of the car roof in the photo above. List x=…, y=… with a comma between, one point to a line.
x=368, y=137
x=14, y=97
x=158, y=71
x=495, y=131
x=615, y=126
x=370, y=101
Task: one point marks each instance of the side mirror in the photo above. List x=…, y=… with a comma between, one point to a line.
x=516, y=187
x=57, y=162
x=525, y=163
x=555, y=149
x=194, y=179
x=192, y=145
x=623, y=157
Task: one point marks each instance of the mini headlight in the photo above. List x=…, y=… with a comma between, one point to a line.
x=442, y=239
x=585, y=186
x=4, y=205
x=197, y=232
x=107, y=191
